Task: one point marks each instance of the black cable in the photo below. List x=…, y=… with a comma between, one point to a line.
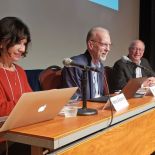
x=108, y=94
x=7, y=147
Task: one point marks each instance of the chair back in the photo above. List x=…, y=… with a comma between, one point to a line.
x=33, y=78
x=108, y=78
x=50, y=78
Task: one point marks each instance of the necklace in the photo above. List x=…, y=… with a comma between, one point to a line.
x=12, y=93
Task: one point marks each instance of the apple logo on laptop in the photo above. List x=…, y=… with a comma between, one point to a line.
x=42, y=108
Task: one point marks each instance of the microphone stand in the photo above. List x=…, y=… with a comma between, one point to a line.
x=84, y=111
x=145, y=68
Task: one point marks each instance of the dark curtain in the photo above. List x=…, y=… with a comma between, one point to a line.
x=147, y=29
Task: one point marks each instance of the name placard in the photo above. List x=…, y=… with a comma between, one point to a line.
x=118, y=102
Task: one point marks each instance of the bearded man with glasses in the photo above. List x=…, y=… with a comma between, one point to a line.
x=98, y=46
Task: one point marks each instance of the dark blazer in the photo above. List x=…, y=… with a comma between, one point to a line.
x=72, y=76
x=124, y=71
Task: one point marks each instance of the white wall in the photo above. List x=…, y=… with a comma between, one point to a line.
x=59, y=27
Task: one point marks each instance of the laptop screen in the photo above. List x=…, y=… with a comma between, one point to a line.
x=34, y=107
x=132, y=86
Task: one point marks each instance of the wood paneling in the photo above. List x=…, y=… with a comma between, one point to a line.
x=135, y=137
x=129, y=137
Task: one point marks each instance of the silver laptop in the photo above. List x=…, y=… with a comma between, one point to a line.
x=132, y=86
x=34, y=107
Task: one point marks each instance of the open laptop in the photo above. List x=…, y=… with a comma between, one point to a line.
x=34, y=107
x=132, y=86
x=130, y=90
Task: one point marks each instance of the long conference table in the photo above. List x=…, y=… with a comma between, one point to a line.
x=132, y=131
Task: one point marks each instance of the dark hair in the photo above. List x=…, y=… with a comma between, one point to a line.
x=12, y=30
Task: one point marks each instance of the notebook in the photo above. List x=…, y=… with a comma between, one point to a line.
x=132, y=86
x=34, y=107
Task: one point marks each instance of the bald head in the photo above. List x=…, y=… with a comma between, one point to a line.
x=95, y=32
x=136, y=50
x=98, y=43
x=135, y=42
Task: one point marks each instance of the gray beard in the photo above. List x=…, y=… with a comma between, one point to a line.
x=102, y=59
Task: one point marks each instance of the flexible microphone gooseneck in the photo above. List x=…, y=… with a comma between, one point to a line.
x=70, y=63
x=127, y=60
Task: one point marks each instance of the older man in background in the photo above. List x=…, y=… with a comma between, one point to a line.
x=128, y=67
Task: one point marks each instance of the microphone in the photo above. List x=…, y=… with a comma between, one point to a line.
x=127, y=60
x=69, y=63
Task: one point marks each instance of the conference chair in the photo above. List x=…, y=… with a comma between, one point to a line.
x=33, y=78
x=50, y=78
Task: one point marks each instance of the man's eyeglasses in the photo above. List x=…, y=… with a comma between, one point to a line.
x=102, y=44
x=137, y=49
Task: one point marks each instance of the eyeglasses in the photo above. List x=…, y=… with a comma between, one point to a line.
x=102, y=44
x=137, y=49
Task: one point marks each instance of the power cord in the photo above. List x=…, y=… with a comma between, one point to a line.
x=108, y=94
x=7, y=147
